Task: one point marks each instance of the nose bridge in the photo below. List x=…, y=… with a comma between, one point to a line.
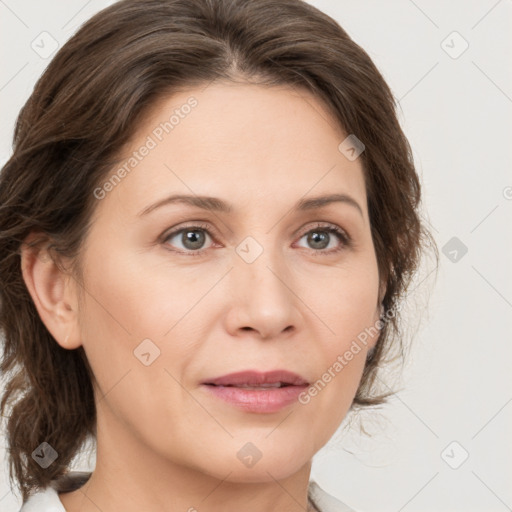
x=259, y=264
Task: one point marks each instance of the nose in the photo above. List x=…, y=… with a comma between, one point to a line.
x=262, y=298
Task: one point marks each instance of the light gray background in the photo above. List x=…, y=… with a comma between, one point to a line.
x=456, y=111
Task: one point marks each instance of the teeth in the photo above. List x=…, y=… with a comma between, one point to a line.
x=261, y=386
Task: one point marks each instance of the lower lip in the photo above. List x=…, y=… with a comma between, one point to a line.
x=257, y=400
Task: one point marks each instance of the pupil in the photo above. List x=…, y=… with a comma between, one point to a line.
x=195, y=238
x=315, y=235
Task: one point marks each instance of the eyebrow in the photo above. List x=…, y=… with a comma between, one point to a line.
x=215, y=204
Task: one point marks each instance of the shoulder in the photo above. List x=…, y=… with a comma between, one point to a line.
x=324, y=502
x=47, y=499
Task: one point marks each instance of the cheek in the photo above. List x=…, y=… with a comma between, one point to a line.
x=140, y=297
x=137, y=367
x=349, y=304
x=349, y=315
x=133, y=309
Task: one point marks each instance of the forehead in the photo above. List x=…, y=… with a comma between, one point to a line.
x=246, y=143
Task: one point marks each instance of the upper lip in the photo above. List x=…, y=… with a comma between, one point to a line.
x=256, y=378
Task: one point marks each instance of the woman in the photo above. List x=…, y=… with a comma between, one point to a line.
x=207, y=222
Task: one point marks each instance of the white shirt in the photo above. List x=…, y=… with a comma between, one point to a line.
x=47, y=500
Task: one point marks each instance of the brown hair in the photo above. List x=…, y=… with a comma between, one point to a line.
x=86, y=106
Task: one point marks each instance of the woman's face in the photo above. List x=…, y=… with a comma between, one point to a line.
x=179, y=294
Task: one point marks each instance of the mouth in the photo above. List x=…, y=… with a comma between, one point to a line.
x=257, y=392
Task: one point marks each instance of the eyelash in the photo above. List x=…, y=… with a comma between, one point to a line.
x=346, y=241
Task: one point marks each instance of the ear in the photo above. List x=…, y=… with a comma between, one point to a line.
x=53, y=291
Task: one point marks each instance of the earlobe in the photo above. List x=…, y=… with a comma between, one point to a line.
x=53, y=294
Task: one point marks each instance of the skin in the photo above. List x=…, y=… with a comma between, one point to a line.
x=165, y=444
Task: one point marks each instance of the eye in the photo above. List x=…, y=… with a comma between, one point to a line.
x=192, y=239
x=320, y=237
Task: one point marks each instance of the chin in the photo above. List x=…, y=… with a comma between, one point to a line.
x=250, y=464
x=260, y=473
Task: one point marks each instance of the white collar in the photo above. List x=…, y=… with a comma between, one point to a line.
x=47, y=500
